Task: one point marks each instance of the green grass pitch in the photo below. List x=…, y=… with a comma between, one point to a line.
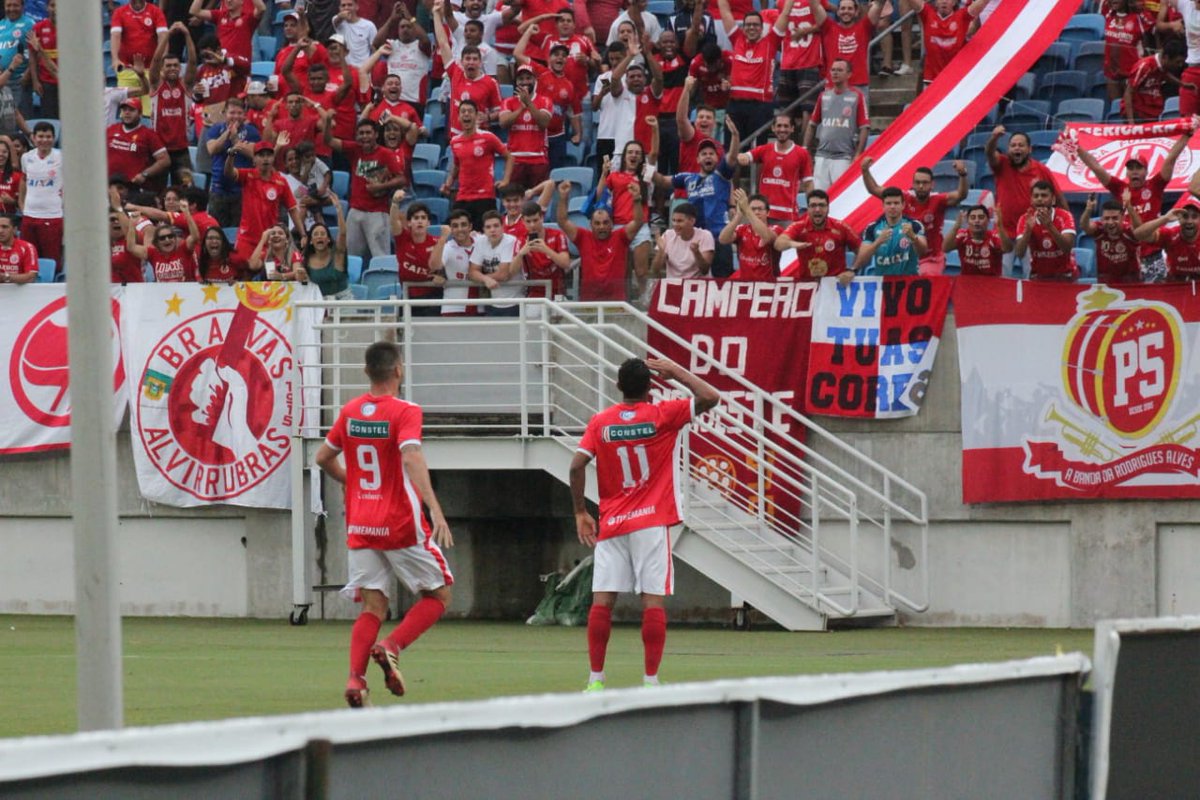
x=184, y=669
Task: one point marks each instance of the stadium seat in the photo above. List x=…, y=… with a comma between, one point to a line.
x=1080, y=109
x=1170, y=108
x=581, y=179
x=1023, y=89
x=1028, y=115
x=426, y=156
x=1089, y=57
x=200, y=179
x=945, y=177
x=341, y=183
x=1041, y=142
x=1064, y=85
x=953, y=263
x=1057, y=57
x=435, y=121
x=380, y=271
x=261, y=70
x=1114, y=111
x=386, y=291
x=439, y=209
x=265, y=48
x=359, y=292
x=1097, y=86
x=506, y=91
x=1086, y=260
x=1083, y=28
x=45, y=270
x=231, y=235
x=354, y=268
x=427, y=183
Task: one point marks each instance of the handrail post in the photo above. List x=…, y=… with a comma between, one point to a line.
x=816, y=534
x=547, y=368
x=406, y=315
x=854, y=587
x=760, y=457
x=522, y=364
x=887, y=542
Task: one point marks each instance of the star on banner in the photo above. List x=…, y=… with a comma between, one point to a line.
x=210, y=293
x=174, y=304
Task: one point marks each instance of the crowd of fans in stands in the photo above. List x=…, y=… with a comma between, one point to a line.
x=424, y=138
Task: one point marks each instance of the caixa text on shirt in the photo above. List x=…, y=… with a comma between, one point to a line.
x=734, y=299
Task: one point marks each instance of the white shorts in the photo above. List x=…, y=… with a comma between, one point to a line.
x=419, y=568
x=638, y=562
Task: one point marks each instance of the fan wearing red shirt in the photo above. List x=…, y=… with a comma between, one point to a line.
x=751, y=88
x=301, y=51
x=1144, y=98
x=375, y=174
x=1117, y=248
x=755, y=238
x=1016, y=172
x=926, y=207
x=474, y=166
x=18, y=258
x=603, y=249
x=710, y=70
x=320, y=94
x=171, y=101
x=847, y=36
x=786, y=170
x=135, y=32
x=1180, y=241
x=820, y=241
x=125, y=268
x=691, y=134
x=135, y=152
x=944, y=28
x=633, y=444
x=387, y=481
x=467, y=81
x=566, y=98
x=1048, y=233
x=294, y=121
x=43, y=49
x=219, y=77
x=265, y=194
x=172, y=260
x=671, y=67
x=414, y=246
x=236, y=21
x=1124, y=29
x=980, y=250
x=526, y=116
x=542, y=252
x=11, y=179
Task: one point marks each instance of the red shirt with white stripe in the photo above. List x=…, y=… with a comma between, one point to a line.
x=18, y=258
x=566, y=97
x=1117, y=256
x=526, y=139
x=979, y=256
x=475, y=156
x=931, y=214
x=753, y=65
x=782, y=177
x=484, y=91
x=412, y=261
x=802, y=53
x=1123, y=34
x=1183, y=257
x=139, y=31
x=1147, y=79
x=170, y=107
x=383, y=508
x=756, y=260
x=633, y=445
x=236, y=34
x=848, y=43
x=1047, y=260
x=262, y=201
x=943, y=37
x=130, y=152
x=177, y=266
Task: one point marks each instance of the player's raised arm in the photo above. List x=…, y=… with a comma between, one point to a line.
x=706, y=396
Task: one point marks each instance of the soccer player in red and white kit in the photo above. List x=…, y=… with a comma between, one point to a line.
x=387, y=479
x=980, y=251
x=1048, y=233
x=755, y=238
x=925, y=206
x=820, y=241
x=18, y=259
x=786, y=170
x=633, y=444
x=1116, y=247
x=1180, y=241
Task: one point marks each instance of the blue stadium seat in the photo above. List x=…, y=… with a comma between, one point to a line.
x=1024, y=87
x=265, y=48
x=945, y=177
x=45, y=270
x=1062, y=85
x=1083, y=28
x=359, y=292
x=1170, y=108
x=427, y=183
x=1080, y=109
x=426, y=156
x=354, y=268
x=261, y=70
x=1086, y=260
x=1057, y=57
x=1097, y=86
x=581, y=179
x=200, y=179
x=1114, y=111
x=439, y=209
x=1042, y=141
x=1028, y=115
x=231, y=235
x=341, y=183
x=386, y=291
x=1089, y=57
x=506, y=91
x=381, y=271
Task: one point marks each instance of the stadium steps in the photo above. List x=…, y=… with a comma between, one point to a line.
x=890, y=94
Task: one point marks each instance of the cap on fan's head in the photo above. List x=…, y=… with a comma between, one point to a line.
x=337, y=38
x=132, y=103
x=1135, y=160
x=256, y=87
x=707, y=143
x=263, y=147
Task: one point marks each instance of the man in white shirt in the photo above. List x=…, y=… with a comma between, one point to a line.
x=649, y=21
x=359, y=33
x=451, y=261
x=42, y=195
x=491, y=265
x=616, y=111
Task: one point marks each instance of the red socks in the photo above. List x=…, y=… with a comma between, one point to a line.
x=362, y=636
x=654, y=636
x=419, y=619
x=598, y=629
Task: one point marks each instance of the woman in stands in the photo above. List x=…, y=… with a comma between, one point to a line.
x=635, y=166
x=277, y=257
x=324, y=259
x=218, y=263
x=171, y=259
x=10, y=178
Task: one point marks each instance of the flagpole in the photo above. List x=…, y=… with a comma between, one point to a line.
x=90, y=341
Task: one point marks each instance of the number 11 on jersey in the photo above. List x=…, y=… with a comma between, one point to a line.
x=643, y=465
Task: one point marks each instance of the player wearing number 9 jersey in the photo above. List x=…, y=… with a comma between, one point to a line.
x=386, y=480
x=634, y=445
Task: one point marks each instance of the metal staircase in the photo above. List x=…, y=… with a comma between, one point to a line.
x=811, y=536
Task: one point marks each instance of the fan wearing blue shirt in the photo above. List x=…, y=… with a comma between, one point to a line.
x=709, y=190
x=893, y=244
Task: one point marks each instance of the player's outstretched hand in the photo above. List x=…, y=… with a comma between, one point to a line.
x=585, y=526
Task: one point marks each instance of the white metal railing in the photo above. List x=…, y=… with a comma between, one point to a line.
x=544, y=373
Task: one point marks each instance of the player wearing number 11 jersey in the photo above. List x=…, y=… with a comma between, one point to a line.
x=386, y=480
x=634, y=445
